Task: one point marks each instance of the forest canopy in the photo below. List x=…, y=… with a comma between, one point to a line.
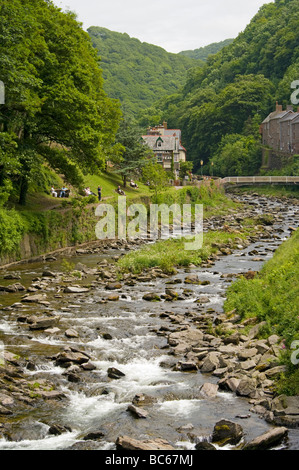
x=238, y=87
x=56, y=111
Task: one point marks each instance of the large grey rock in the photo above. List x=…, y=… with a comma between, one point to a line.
x=44, y=323
x=208, y=390
x=268, y=440
x=137, y=412
x=36, y=298
x=246, y=387
x=210, y=363
x=76, y=290
x=227, y=432
x=128, y=443
x=189, y=336
x=151, y=297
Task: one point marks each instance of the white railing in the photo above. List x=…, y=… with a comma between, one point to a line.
x=261, y=179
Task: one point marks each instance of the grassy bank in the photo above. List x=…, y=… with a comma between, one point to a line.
x=273, y=296
x=46, y=223
x=269, y=190
x=171, y=254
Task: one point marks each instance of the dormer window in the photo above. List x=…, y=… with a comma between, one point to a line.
x=159, y=142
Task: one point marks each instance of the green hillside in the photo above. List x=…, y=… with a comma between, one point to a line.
x=204, y=52
x=138, y=73
x=223, y=103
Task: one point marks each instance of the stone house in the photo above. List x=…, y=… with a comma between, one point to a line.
x=166, y=145
x=280, y=136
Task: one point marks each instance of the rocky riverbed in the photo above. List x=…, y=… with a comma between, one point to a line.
x=92, y=360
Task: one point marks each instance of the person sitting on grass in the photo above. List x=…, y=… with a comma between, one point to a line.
x=63, y=192
x=120, y=191
x=133, y=185
x=53, y=192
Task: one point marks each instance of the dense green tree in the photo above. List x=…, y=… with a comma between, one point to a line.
x=204, y=52
x=55, y=107
x=238, y=83
x=156, y=177
x=237, y=155
x=138, y=73
x=132, y=153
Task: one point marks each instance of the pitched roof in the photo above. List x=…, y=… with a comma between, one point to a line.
x=168, y=143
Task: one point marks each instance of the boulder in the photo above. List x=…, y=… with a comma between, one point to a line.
x=210, y=363
x=171, y=293
x=192, y=279
x=247, y=353
x=48, y=274
x=285, y=410
x=36, y=298
x=268, y=440
x=128, y=443
x=187, y=366
x=204, y=445
x=71, y=357
x=227, y=432
x=114, y=373
x=137, y=412
x=230, y=384
x=113, y=286
x=246, y=387
x=141, y=399
x=151, y=297
x=253, y=333
x=57, y=429
x=44, y=323
x=113, y=298
x=189, y=336
x=76, y=290
x=71, y=333
x=208, y=390
x=94, y=435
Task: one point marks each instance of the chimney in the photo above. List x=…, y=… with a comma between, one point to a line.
x=165, y=125
x=278, y=107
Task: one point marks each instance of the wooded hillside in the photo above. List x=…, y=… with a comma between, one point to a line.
x=224, y=102
x=138, y=73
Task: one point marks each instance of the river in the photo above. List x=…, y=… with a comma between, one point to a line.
x=129, y=335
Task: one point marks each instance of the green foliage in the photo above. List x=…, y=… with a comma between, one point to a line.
x=132, y=153
x=12, y=228
x=156, y=177
x=204, y=52
x=172, y=253
x=55, y=107
x=273, y=296
x=136, y=73
x=241, y=81
x=237, y=155
x=185, y=168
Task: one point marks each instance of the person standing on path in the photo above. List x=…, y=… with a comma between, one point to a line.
x=100, y=193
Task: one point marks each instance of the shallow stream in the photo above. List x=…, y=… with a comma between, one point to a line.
x=125, y=335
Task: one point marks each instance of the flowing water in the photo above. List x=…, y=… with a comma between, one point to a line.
x=133, y=345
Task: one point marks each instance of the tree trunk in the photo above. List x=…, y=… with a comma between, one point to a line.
x=23, y=191
x=125, y=181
